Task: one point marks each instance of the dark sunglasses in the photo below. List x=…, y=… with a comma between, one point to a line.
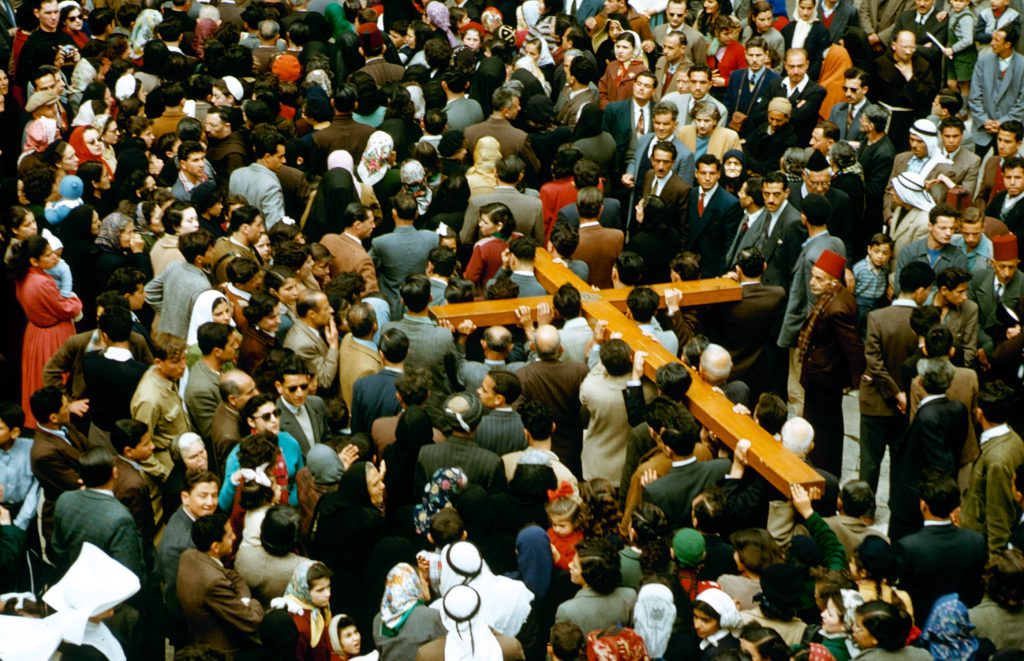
x=301, y=386
x=265, y=417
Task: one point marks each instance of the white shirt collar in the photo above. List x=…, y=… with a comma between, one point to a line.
x=120, y=354
x=244, y=295
x=590, y=223
x=905, y=303
x=713, y=639
x=799, y=88
x=709, y=193
x=291, y=407
x=683, y=462
x=928, y=524
x=992, y=432
x=925, y=400
x=355, y=238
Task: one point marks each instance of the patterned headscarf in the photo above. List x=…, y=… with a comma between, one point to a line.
x=297, y=593
x=402, y=593
x=374, y=163
x=144, y=30
x=491, y=19
x=414, y=178
x=437, y=14
x=947, y=631
x=110, y=231
x=444, y=484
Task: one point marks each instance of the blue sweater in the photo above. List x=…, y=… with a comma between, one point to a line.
x=292, y=459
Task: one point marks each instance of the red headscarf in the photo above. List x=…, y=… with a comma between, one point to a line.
x=77, y=142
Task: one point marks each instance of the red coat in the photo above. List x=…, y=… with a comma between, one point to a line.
x=49, y=325
x=614, y=86
x=734, y=57
x=304, y=651
x=553, y=196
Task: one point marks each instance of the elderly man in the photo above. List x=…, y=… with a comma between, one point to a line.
x=358, y=355
x=769, y=141
x=314, y=337
x=905, y=84
x=925, y=157
x=236, y=388
x=715, y=369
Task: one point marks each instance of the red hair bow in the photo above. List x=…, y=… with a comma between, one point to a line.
x=564, y=490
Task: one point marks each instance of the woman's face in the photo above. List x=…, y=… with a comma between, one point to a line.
x=108, y=98
x=270, y=323
x=267, y=418
x=290, y=291
x=263, y=248
x=5, y=83
x=68, y=160
x=710, y=6
x=148, y=137
x=614, y=29
x=221, y=311
x=763, y=21
x=124, y=239
x=91, y=137
x=94, y=229
x=320, y=593
x=726, y=37
x=471, y=39
x=375, y=486
x=322, y=270
x=805, y=10
x=27, y=227
x=485, y=225
x=733, y=168
x=623, y=51
x=73, y=21
x=189, y=222
x=111, y=133
x=104, y=182
x=220, y=99
x=533, y=50
x=831, y=621
x=704, y=624
x=156, y=221
x=195, y=457
x=410, y=37
x=47, y=260
x=576, y=571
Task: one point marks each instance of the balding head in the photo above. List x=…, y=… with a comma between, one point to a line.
x=236, y=388
x=547, y=342
x=498, y=340
x=308, y=302
x=715, y=365
x=797, y=436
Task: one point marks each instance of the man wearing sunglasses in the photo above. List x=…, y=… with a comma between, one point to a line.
x=846, y=115
x=302, y=415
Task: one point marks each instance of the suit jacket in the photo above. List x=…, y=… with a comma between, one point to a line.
x=317, y=418
x=818, y=39
x=527, y=210
x=992, y=322
x=261, y=188
x=806, y=106
x=995, y=96
x=557, y=384
x=907, y=20
x=877, y=17
x=356, y=360
x=966, y=166
x=211, y=601
x=721, y=141
x=941, y=559
x=906, y=226
x=835, y=353
x=889, y=86
x=989, y=506
x=176, y=539
x=310, y=346
x=607, y=434
x=343, y=133
x=890, y=341
x=599, y=247
x=844, y=16
x=740, y=97
x=224, y=433
x=91, y=516
x=851, y=532
x=843, y=219
x=481, y=466
x=348, y=256
x=764, y=151
x=640, y=161
x=619, y=122
x=373, y=397
x=838, y=116
x=781, y=249
x=432, y=348
x=512, y=140
x=55, y=465
x=383, y=72
x=65, y=368
x=876, y=160
x=611, y=212
x=401, y=253
x=696, y=45
x=568, y=109
x=110, y=386
x=676, y=196
x=202, y=397
x=933, y=442
x=132, y=489
x=501, y=432
x=711, y=233
x=675, y=491
x=1014, y=218
x=800, y=297
x=745, y=328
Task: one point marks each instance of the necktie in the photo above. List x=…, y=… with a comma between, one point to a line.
x=641, y=125
x=700, y=204
x=849, y=118
x=999, y=290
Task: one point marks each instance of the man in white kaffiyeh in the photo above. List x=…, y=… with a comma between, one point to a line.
x=911, y=205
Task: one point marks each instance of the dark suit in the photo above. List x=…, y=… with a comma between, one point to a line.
x=68, y=361
x=611, y=214
x=781, y=248
x=889, y=86
x=818, y=39
x=557, y=384
x=618, y=121
x=55, y=465
x=674, y=492
x=844, y=16
x=992, y=318
x=383, y=72
x=317, y=419
x=481, y=466
x=764, y=151
x=98, y=518
x=343, y=133
x=211, y=600
x=746, y=329
x=876, y=161
x=711, y=233
x=938, y=560
x=675, y=193
x=842, y=218
x=840, y=113
x=110, y=385
x=908, y=21
x=741, y=97
x=374, y=397
x=933, y=441
x=512, y=140
x=1014, y=218
x=805, y=115
x=176, y=539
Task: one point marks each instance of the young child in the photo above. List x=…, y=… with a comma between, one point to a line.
x=308, y=599
x=838, y=616
x=446, y=527
x=346, y=640
x=71, y=188
x=962, y=49
x=21, y=225
x=565, y=513
x=715, y=616
x=871, y=277
x=989, y=20
x=566, y=642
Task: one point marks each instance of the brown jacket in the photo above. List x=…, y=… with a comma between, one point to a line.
x=350, y=257
x=211, y=601
x=355, y=361
x=512, y=140
x=889, y=343
x=599, y=247
x=511, y=649
x=55, y=465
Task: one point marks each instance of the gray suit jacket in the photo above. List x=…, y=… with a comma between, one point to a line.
x=800, y=297
x=202, y=397
x=994, y=96
x=173, y=293
x=472, y=373
x=684, y=165
x=567, y=110
x=317, y=418
x=462, y=113
x=430, y=347
x=527, y=210
x=400, y=254
x=982, y=291
x=308, y=345
x=261, y=188
x=838, y=116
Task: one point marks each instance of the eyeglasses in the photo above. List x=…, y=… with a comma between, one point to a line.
x=76, y=17
x=301, y=386
x=851, y=89
x=265, y=417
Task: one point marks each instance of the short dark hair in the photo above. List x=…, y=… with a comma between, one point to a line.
x=673, y=380
x=261, y=305
x=266, y=142
x=443, y=261
x=538, y=419
x=207, y=530
x=188, y=148
x=241, y=270
x=642, y=303
x=46, y=401
x=415, y=292
x=243, y=215
x=923, y=318
x=751, y=261
x=1011, y=31
x=630, y=267
x=1015, y=127
x=771, y=412
x=944, y=211
x=195, y=476
x=683, y=436
x=583, y=69
x=507, y=385
x=354, y=212
x=126, y=280
x=585, y=173
x=916, y=275
x=127, y=433
x=291, y=366
x=568, y=302
x=12, y=415
x=405, y=206
x=394, y=344
x=523, y=248
x=565, y=238
x=567, y=639
x=96, y=467
x=952, y=277
x=599, y=565
x=616, y=357
x=589, y=201
x=709, y=159
x=997, y=401
x=195, y=244
x=213, y=335
x=510, y=168
x=863, y=76
x=941, y=494
x=858, y=498
x=938, y=341
x=116, y=322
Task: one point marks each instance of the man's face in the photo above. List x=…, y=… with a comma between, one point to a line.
x=144, y=450
x=704, y=124
x=643, y=89
x=700, y=84
x=853, y=91
x=202, y=500
x=774, y=196
x=777, y=119
x=673, y=49
x=818, y=182
x=941, y=231
x=613, y=7
x=138, y=298
x=194, y=164
x=999, y=43
x=796, y=67
x=294, y=388
x=951, y=137
x=820, y=281
x=1014, y=180
x=364, y=228
x=216, y=127
x=661, y=163
x=226, y=542
x=485, y=392
x=971, y=232
x=1007, y=144
x=955, y=296
x=917, y=147
x=566, y=63
x=1005, y=269
x=48, y=15
x=275, y=162
x=707, y=176
x=924, y=6
x=676, y=14
x=172, y=368
x=46, y=83
x=819, y=142
x=230, y=351
x=322, y=313
x=664, y=126
x=246, y=391
x=756, y=58
x=266, y=419
x=254, y=229
x=904, y=46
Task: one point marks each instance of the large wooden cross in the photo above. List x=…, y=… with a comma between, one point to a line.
x=766, y=455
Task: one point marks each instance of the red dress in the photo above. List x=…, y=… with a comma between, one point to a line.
x=553, y=196
x=49, y=325
x=566, y=546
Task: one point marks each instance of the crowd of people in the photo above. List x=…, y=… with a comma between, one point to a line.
x=232, y=425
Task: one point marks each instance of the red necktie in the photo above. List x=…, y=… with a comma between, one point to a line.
x=700, y=204
x=641, y=125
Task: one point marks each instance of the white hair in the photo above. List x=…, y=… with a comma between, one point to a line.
x=209, y=11
x=716, y=364
x=797, y=436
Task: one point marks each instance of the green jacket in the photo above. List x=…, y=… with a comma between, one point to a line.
x=989, y=507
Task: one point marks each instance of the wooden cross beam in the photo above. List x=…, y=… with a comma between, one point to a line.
x=766, y=455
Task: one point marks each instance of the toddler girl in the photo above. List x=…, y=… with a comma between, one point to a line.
x=565, y=514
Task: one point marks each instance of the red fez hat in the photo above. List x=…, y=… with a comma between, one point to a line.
x=370, y=37
x=831, y=263
x=1004, y=247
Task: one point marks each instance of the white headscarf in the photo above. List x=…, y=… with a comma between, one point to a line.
x=926, y=131
x=471, y=639
x=653, y=616
x=202, y=312
x=910, y=187
x=724, y=605
x=505, y=603
x=340, y=158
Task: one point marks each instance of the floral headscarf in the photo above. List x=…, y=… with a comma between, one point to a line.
x=402, y=593
x=444, y=484
x=947, y=631
x=374, y=164
x=110, y=231
x=205, y=29
x=144, y=30
x=414, y=178
x=297, y=593
x=437, y=14
x=491, y=19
